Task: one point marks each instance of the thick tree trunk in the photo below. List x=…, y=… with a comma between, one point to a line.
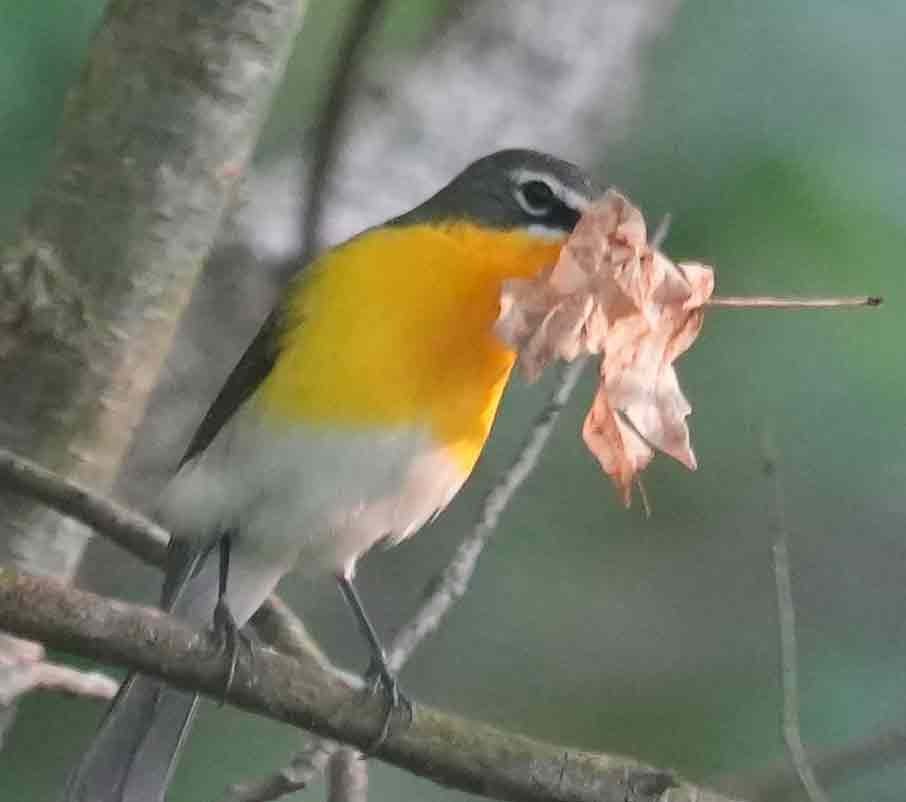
x=154, y=135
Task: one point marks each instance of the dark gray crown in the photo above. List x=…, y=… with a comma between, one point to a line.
x=494, y=191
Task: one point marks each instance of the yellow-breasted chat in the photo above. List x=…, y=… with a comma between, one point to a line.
x=353, y=418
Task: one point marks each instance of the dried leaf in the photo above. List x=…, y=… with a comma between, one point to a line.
x=611, y=294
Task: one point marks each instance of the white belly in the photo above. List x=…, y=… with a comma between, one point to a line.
x=314, y=497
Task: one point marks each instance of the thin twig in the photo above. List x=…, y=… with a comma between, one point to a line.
x=773, y=302
x=792, y=732
x=455, y=577
x=328, y=139
x=660, y=233
x=135, y=533
x=347, y=777
x=24, y=667
x=307, y=765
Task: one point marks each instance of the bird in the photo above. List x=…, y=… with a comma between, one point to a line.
x=353, y=418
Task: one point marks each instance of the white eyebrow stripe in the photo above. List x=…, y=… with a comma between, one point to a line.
x=569, y=196
x=546, y=232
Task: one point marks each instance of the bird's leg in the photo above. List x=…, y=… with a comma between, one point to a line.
x=226, y=629
x=379, y=673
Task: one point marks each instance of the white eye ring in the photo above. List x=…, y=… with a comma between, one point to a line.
x=535, y=197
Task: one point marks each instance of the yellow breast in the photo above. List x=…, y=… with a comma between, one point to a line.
x=395, y=328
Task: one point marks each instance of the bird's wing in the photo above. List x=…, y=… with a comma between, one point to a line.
x=246, y=377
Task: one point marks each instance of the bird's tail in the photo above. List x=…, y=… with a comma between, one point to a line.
x=132, y=757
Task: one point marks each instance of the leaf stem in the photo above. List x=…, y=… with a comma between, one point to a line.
x=772, y=302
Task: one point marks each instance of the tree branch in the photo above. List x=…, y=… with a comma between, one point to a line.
x=462, y=754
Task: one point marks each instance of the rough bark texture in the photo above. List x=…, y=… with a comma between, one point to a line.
x=462, y=754
x=154, y=135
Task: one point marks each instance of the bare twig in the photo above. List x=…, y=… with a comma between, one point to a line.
x=24, y=668
x=661, y=232
x=772, y=302
x=454, y=579
x=447, y=749
x=787, y=621
x=328, y=139
x=135, y=533
x=306, y=766
x=347, y=777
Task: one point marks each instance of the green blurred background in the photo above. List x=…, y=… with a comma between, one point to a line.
x=775, y=135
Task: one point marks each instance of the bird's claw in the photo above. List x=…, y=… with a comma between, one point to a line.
x=230, y=639
x=379, y=679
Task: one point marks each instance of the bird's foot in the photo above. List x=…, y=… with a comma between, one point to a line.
x=380, y=679
x=230, y=640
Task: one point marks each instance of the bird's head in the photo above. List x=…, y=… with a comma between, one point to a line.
x=511, y=191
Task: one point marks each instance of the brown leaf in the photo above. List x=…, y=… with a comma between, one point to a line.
x=611, y=294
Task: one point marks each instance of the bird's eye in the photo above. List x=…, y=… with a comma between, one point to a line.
x=536, y=197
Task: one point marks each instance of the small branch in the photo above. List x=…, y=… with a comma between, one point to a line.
x=307, y=766
x=772, y=302
x=23, y=668
x=328, y=139
x=454, y=580
x=453, y=751
x=135, y=533
x=660, y=233
x=347, y=777
x=787, y=620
